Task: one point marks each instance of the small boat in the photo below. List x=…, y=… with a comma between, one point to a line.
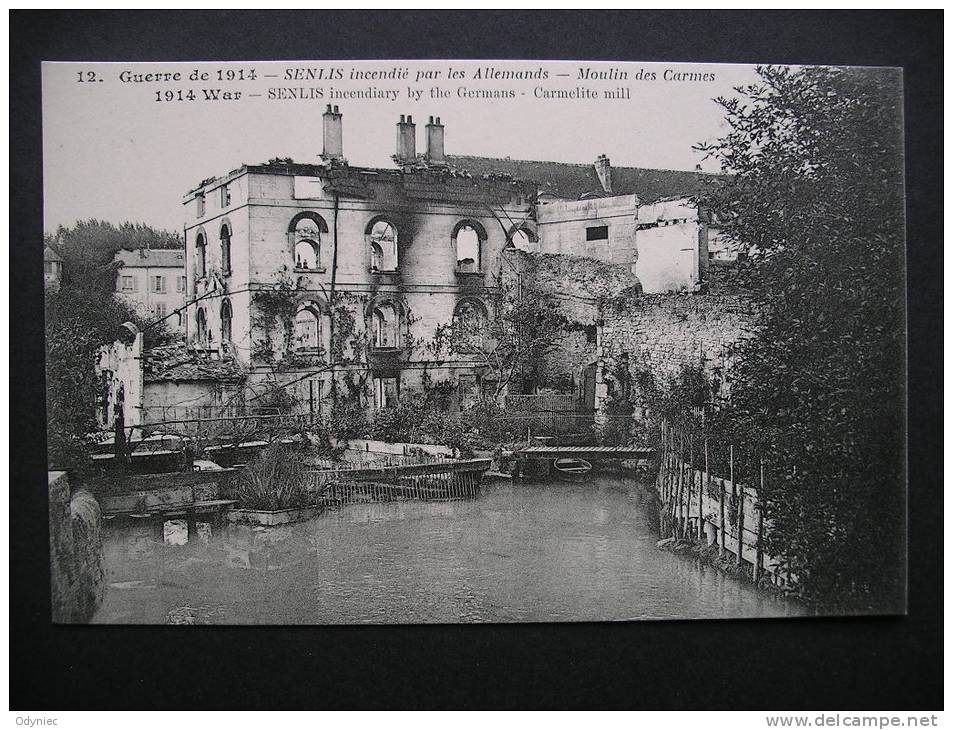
x=572, y=470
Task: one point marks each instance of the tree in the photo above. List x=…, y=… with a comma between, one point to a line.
x=814, y=194
x=82, y=315
x=509, y=341
x=88, y=249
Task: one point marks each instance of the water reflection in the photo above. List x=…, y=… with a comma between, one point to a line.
x=516, y=553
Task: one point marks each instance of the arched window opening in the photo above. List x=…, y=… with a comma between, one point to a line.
x=225, y=234
x=200, y=259
x=201, y=328
x=226, y=322
x=306, y=255
x=468, y=239
x=470, y=325
x=468, y=249
x=306, y=236
x=383, y=241
x=385, y=328
x=307, y=330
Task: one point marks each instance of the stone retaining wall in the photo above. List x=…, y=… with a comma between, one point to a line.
x=77, y=573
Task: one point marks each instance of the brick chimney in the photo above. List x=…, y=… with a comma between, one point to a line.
x=406, y=140
x=435, y=155
x=333, y=135
x=604, y=171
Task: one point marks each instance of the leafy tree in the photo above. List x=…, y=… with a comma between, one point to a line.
x=82, y=315
x=815, y=196
x=511, y=340
x=88, y=249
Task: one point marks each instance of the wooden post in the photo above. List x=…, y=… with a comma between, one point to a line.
x=740, y=497
x=689, y=486
x=702, y=491
x=660, y=480
x=690, y=473
x=722, y=533
x=311, y=399
x=680, y=524
x=669, y=491
x=759, y=550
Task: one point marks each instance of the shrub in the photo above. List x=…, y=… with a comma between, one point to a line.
x=276, y=479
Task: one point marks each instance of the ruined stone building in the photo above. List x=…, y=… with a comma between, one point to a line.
x=315, y=279
x=640, y=218
x=153, y=282
x=161, y=383
x=292, y=267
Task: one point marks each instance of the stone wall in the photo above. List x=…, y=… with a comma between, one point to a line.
x=662, y=333
x=77, y=573
x=580, y=285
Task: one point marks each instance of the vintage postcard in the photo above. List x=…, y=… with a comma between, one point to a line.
x=341, y=342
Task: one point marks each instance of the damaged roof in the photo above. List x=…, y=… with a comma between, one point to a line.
x=176, y=362
x=574, y=181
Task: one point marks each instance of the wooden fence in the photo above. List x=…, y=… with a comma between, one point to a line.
x=436, y=478
x=714, y=510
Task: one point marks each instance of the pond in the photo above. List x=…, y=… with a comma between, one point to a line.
x=517, y=552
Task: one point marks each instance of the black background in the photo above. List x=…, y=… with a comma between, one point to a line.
x=858, y=663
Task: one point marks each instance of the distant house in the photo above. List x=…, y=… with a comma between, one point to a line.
x=52, y=269
x=153, y=281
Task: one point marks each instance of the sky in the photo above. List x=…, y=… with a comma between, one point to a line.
x=112, y=151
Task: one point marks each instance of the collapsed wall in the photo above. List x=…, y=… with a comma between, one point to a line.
x=580, y=286
x=618, y=333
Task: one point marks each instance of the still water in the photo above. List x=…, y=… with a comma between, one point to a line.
x=518, y=552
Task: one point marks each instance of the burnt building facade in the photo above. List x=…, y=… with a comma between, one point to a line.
x=316, y=277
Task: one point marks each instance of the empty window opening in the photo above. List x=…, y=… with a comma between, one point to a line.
x=385, y=326
x=201, y=328
x=383, y=241
x=226, y=237
x=469, y=321
x=226, y=321
x=307, y=244
x=468, y=249
x=306, y=255
x=200, y=261
x=307, y=330
x=385, y=392
x=597, y=233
